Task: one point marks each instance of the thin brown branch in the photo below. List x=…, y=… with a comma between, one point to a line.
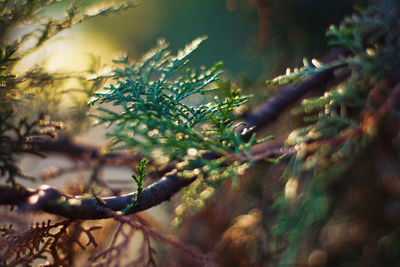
x=291, y=93
x=65, y=146
x=367, y=125
x=51, y=200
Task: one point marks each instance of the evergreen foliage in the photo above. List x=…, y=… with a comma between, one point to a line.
x=154, y=96
x=187, y=120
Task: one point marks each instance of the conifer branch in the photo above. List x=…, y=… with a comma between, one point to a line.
x=53, y=201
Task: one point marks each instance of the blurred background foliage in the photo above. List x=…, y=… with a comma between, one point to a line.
x=256, y=40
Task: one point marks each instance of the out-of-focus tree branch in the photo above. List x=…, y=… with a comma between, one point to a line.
x=65, y=146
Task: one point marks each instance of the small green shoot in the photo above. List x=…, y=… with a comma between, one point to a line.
x=139, y=183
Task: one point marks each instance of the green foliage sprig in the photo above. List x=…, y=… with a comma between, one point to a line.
x=142, y=176
x=157, y=100
x=139, y=183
